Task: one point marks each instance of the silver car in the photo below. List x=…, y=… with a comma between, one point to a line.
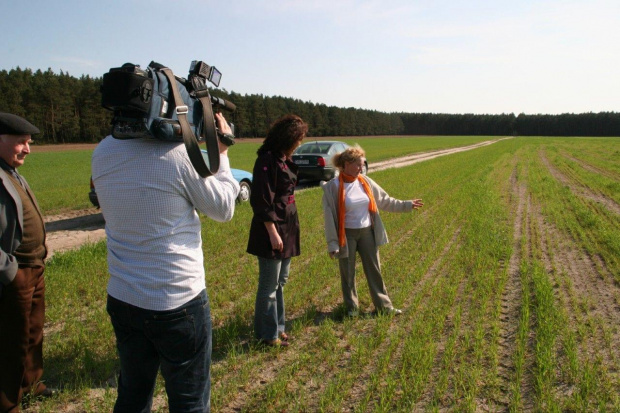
x=314, y=160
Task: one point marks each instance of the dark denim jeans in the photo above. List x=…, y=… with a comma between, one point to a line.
x=269, y=317
x=178, y=341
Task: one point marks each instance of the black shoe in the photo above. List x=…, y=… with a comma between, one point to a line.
x=46, y=393
x=274, y=343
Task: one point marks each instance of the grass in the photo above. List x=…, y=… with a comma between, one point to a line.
x=461, y=344
x=60, y=180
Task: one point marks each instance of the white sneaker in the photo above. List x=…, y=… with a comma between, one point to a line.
x=392, y=311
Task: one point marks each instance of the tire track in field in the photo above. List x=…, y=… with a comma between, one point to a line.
x=578, y=189
x=425, y=285
x=528, y=381
x=511, y=300
x=267, y=364
x=588, y=298
x=457, y=388
x=591, y=168
x=431, y=394
x=357, y=392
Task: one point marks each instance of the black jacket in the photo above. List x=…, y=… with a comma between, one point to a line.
x=273, y=199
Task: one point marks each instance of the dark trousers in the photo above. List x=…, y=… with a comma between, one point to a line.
x=22, y=314
x=178, y=341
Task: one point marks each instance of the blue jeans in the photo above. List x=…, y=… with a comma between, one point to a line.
x=269, y=308
x=178, y=341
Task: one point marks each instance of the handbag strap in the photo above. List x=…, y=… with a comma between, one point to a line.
x=190, y=140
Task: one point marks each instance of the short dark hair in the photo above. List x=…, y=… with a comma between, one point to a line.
x=283, y=134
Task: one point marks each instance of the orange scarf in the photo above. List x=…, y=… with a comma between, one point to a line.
x=372, y=205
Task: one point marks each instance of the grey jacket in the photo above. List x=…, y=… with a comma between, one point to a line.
x=330, y=213
x=11, y=224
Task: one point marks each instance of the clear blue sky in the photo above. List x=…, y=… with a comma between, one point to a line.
x=438, y=56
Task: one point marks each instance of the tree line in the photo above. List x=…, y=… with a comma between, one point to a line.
x=68, y=110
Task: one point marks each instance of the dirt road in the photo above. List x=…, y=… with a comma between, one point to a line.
x=73, y=229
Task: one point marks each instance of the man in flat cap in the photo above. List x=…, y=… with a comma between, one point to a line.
x=22, y=286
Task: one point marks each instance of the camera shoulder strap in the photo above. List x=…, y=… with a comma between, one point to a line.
x=190, y=140
x=209, y=130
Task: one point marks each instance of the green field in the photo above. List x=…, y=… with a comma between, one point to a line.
x=509, y=278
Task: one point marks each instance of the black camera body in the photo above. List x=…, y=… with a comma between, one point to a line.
x=203, y=70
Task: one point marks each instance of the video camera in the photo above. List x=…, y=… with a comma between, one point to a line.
x=155, y=103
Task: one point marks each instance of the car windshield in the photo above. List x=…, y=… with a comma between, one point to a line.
x=313, y=147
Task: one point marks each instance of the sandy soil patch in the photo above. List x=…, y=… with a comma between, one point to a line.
x=73, y=229
x=421, y=157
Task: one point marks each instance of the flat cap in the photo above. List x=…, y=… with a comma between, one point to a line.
x=16, y=125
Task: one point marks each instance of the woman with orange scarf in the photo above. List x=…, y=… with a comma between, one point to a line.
x=351, y=204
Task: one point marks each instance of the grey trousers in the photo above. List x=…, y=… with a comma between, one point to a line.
x=362, y=241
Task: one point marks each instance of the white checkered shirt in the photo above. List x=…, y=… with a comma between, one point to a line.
x=149, y=193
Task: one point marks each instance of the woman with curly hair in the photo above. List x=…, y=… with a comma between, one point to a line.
x=274, y=232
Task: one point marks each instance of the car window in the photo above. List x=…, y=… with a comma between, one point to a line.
x=313, y=147
x=307, y=148
x=336, y=148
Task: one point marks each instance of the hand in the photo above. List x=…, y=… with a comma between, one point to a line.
x=417, y=203
x=222, y=125
x=223, y=128
x=276, y=242
x=274, y=237
x=332, y=254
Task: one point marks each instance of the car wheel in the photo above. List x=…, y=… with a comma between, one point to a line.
x=365, y=168
x=244, y=191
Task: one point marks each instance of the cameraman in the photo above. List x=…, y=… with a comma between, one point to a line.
x=157, y=301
